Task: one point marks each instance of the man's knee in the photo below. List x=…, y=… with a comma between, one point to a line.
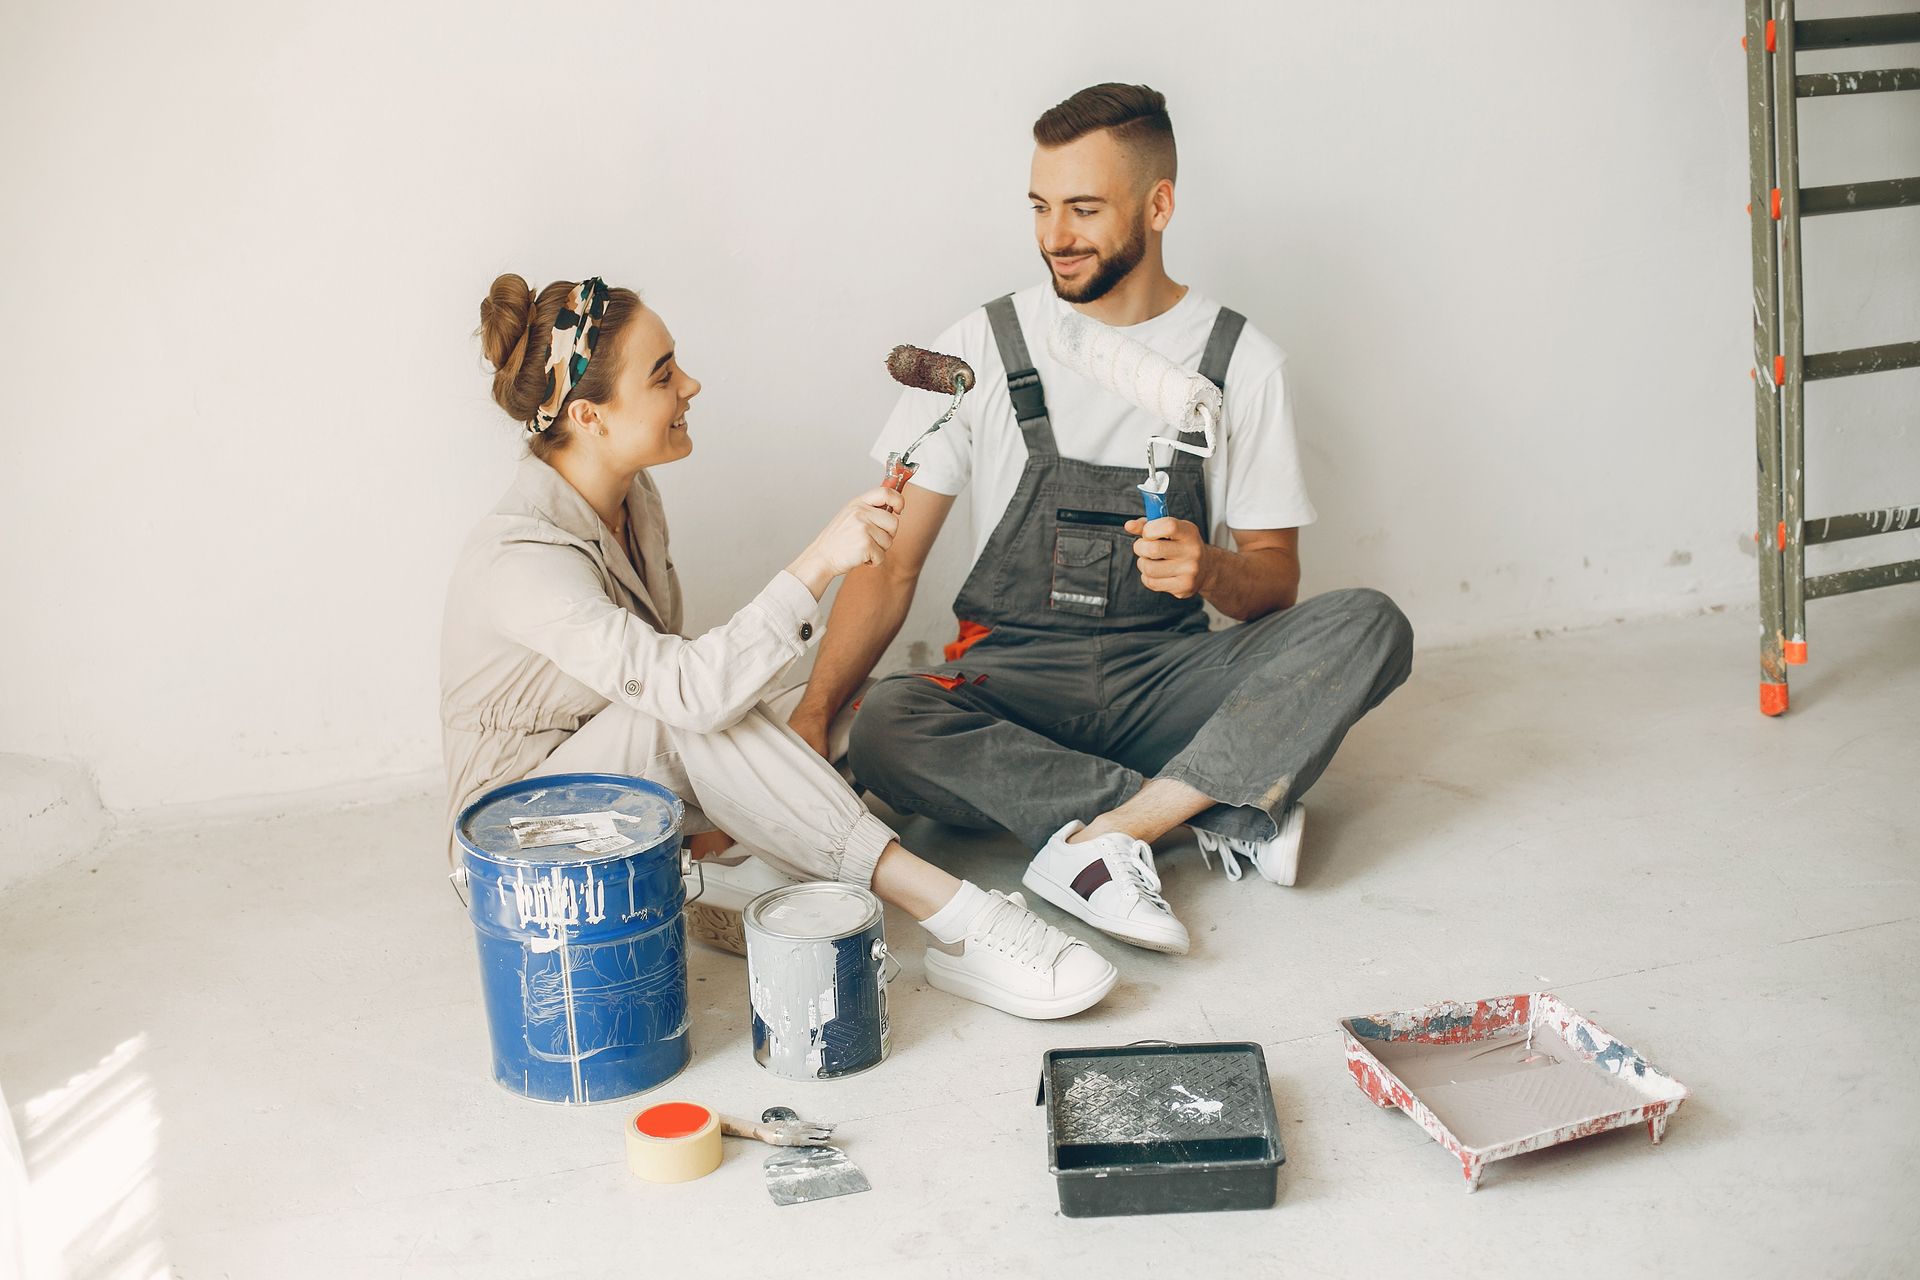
x=883, y=727
x=1384, y=628
x=1377, y=612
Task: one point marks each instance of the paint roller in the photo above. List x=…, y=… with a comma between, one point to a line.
x=925, y=371
x=1185, y=401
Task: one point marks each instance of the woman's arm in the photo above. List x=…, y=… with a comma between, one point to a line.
x=549, y=598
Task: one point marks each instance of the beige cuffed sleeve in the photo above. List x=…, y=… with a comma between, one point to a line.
x=550, y=599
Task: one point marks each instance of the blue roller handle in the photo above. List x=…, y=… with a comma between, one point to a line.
x=1155, y=503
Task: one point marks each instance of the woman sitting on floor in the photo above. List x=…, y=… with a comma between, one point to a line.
x=562, y=651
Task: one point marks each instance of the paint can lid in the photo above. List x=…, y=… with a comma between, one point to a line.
x=819, y=912
x=571, y=818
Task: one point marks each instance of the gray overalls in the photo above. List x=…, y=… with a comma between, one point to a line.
x=1060, y=561
x=1087, y=682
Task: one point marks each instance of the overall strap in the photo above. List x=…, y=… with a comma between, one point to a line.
x=1220, y=343
x=1213, y=367
x=1023, y=381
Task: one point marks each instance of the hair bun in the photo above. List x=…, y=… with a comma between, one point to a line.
x=505, y=315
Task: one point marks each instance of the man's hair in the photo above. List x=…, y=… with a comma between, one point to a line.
x=1135, y=114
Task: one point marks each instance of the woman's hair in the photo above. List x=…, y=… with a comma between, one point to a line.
x=516, y=332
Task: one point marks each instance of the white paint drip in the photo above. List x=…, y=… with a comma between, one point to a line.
x=796, y=1024
x=555, y=900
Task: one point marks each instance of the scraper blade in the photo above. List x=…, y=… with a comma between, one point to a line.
x=813, y=1173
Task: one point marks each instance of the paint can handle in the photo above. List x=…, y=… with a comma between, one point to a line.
x=689, y=864
x=885, y=957
x=458, y=879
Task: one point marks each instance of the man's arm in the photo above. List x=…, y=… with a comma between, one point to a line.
x=867, y=614
x=1260, y=576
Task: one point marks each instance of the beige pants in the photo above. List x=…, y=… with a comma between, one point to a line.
x=757, y=781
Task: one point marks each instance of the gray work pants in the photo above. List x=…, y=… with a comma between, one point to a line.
x=1038, y=728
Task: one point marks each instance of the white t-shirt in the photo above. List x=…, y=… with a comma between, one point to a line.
x=1253, y=478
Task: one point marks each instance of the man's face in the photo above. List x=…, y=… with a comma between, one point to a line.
x=1090, y=215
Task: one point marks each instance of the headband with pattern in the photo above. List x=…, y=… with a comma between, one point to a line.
x=575, y=331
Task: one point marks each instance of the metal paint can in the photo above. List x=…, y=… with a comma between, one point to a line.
x=573, y=883
x=817, y=974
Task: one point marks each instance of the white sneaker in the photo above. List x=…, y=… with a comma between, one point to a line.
x=733, y=879
x=1014, y=961
x=1111, y=883
x=1277, y=859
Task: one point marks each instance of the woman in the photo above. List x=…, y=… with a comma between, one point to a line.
x=562, y=651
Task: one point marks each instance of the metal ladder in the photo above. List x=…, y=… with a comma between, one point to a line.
x=1781, y=365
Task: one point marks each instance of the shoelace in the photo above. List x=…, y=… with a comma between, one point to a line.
x=1226, y=847
x=1137, y=865
x=1025, y=936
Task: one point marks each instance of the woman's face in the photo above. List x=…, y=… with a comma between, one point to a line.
x=646, y=420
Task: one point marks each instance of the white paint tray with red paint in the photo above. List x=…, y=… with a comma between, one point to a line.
x=1495, y=1078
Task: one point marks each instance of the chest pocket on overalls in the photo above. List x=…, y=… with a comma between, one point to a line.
x=1082, y=572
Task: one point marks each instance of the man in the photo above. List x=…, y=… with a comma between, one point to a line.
x=1086, y=706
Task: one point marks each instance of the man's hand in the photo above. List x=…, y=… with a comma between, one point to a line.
x=1171, y=554
x=812, y=728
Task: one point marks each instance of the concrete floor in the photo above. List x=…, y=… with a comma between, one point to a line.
x=253, y=1049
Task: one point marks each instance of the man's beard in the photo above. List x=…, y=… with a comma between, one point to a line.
x=1106, y=274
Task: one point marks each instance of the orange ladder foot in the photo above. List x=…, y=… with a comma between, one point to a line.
x=1773, y=698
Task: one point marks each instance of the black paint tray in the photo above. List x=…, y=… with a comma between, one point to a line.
x=1160, y=1128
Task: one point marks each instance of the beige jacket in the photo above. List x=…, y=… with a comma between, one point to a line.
x=547, y=623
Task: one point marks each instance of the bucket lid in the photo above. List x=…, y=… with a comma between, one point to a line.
x=817, y=912
x=569, y=818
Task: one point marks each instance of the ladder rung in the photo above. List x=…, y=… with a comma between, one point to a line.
x=1854, y=197
x=1849, y=33
x=1827, y=84
x=1861, y=524
x=1844, y=364
x=1879, y=575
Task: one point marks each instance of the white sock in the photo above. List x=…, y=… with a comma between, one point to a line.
x=950, y=923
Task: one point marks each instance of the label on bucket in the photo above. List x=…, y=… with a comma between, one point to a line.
x=606, y=844
x=563, y=828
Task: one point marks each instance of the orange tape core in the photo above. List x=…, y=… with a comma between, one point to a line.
x=672, y=1120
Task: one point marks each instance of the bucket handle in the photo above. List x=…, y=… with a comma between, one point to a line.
x=885, y=957
x=458, y=879
x=688, y=866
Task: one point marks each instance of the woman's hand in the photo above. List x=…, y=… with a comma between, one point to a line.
x=858, y=534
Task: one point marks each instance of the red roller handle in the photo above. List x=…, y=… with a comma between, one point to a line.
x=898, y=473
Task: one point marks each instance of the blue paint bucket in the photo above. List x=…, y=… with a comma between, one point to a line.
x=817, y=975
x=573, y=884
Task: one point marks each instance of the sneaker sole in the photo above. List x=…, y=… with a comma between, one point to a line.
x=1074, y=905
x=1290, y=871
x=717, y=927
x=994, y=997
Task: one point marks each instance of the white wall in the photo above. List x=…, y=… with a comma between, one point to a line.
x=244, y=245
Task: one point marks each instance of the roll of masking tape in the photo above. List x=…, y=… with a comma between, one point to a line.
x=673, y=1142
